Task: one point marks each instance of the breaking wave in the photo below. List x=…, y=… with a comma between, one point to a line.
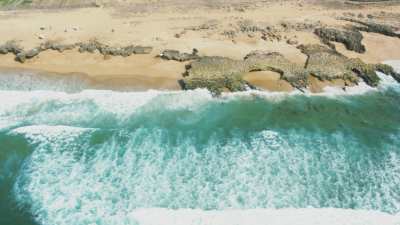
x=184, y=157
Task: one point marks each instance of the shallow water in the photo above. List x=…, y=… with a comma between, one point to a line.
x=102, y=157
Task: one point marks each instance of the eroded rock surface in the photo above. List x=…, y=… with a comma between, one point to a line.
x=294, y=73
x=220, y=73
x=350, y=38
x=216, y=74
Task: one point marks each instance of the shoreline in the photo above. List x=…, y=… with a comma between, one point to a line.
x=227, y=35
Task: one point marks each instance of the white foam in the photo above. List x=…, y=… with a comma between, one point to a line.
x=68, y=182
x=310, y=216
x=394, y=63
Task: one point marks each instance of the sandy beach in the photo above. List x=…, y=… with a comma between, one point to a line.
x=213, y=29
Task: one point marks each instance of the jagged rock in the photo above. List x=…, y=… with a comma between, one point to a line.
x=350, y=38
x=10, y=47
x=373, y=27
x=366, y=71
x=295, y=74
x=388, y=70
x=177, y=56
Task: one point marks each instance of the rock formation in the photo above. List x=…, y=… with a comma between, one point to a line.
x=350, y=38
x=178, y=56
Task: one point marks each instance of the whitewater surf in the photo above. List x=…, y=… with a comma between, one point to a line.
x=185, y=157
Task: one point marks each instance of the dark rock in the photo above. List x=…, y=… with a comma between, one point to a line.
x=350, y=38
x=177, y=56
x=388, y=70
x=373, y=27
x=366, y=71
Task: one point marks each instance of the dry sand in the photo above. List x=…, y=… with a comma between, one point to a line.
x=201, y=27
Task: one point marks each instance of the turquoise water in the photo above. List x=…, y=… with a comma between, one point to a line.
x=93, y=157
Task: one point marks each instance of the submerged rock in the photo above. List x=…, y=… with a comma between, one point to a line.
x=350, y=38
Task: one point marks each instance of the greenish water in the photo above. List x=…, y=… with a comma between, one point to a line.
x=93, y=157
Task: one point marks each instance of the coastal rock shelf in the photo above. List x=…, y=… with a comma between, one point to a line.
x=220, y=73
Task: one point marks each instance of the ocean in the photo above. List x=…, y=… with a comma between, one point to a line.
x=88, y=157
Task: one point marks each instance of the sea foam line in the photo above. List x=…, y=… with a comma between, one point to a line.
x=308, y=216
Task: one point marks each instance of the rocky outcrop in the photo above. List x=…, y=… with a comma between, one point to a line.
x=56, y=46
x=373, y=27
x=388, y=70
x=294, y=73
x=178, y=56
x=220, y=73
x=350, y=38
x=104, y=49
x=328, y=64
x=216, y=74
x=92, y=46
